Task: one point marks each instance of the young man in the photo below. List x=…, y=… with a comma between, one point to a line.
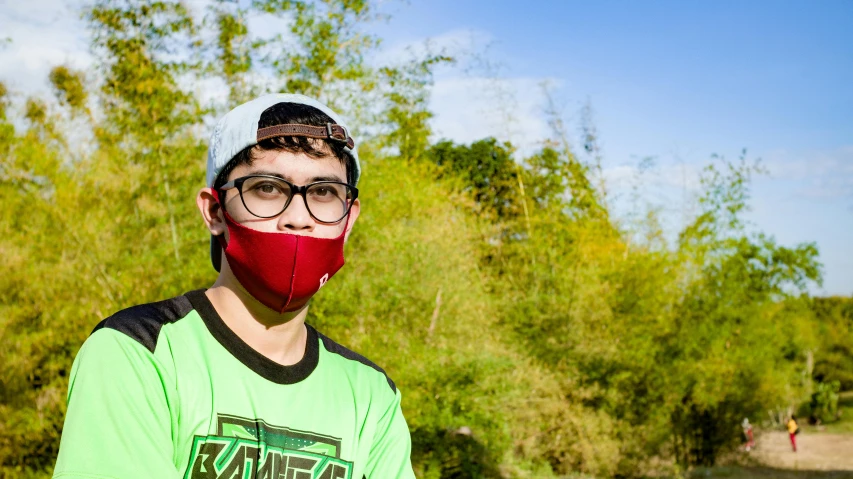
x=230, y=382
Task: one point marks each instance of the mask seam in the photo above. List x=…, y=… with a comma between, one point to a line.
x=292, y=274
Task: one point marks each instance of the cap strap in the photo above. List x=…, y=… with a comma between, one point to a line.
x=329, y=132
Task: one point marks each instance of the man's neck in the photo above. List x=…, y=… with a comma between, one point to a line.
x=279, y=337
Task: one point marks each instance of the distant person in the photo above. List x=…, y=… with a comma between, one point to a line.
x=793, y=430
x=230, y=381
x=747, y=432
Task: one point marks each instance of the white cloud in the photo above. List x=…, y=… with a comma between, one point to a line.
x=460, y=44
x=474, y=100
x=821, y=174
x=667, y=185
x=796, y=165
x=43, y=33
x=620, y=176
x=471, y=108
x=198, y=8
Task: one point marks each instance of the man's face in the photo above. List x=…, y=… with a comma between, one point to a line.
x=298, y=169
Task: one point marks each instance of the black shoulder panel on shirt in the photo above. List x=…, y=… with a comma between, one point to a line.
x=336, y=348
x=143, y=322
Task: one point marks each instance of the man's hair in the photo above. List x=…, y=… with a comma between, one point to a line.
x=291, y=113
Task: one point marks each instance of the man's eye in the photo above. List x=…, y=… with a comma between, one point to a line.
x=268, y=188
x=324, y=193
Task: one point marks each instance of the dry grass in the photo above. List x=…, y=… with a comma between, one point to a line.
x=818, y=456
x=815, y=451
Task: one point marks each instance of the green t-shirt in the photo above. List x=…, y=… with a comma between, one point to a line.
x=167, y=390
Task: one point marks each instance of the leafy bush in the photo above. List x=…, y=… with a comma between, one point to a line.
x=824, y=402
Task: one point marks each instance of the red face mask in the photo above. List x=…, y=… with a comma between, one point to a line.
x=281, y=270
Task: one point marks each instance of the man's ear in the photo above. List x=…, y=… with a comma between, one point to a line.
x=211, y=211
x=353, y=215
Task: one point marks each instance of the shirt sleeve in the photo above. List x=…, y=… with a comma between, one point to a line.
x=118, y=424
x=390, y=454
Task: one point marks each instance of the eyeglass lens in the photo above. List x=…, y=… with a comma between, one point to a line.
x=266, y=197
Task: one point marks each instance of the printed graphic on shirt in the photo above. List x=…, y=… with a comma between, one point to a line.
x=250, y=448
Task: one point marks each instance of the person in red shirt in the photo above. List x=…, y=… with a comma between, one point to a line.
x=747, y=432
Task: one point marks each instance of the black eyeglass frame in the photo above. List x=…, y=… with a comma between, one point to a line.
x=295, y=190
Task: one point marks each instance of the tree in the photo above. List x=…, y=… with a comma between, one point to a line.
x=736, y=349
x=834, y=356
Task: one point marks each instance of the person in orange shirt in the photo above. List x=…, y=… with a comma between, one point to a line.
x=793, y=430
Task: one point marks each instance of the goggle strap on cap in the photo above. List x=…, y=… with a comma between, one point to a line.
x=329, y=132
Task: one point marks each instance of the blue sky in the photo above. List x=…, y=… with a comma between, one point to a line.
x=675, y=81
x=680, y=81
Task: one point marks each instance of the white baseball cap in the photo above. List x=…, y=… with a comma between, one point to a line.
x=238, y=130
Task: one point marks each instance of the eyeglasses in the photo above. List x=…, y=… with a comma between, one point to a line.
x=268, y=196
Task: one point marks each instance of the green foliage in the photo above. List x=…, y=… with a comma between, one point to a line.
x=844, y=424
x=487, y=169
x=529, y=335
x=834, y=357
x=329, y=47
x=824, y=402
x=738, y=351
x=137, y=43
x=406, y=92
x=68, y=86
x=233, y=59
